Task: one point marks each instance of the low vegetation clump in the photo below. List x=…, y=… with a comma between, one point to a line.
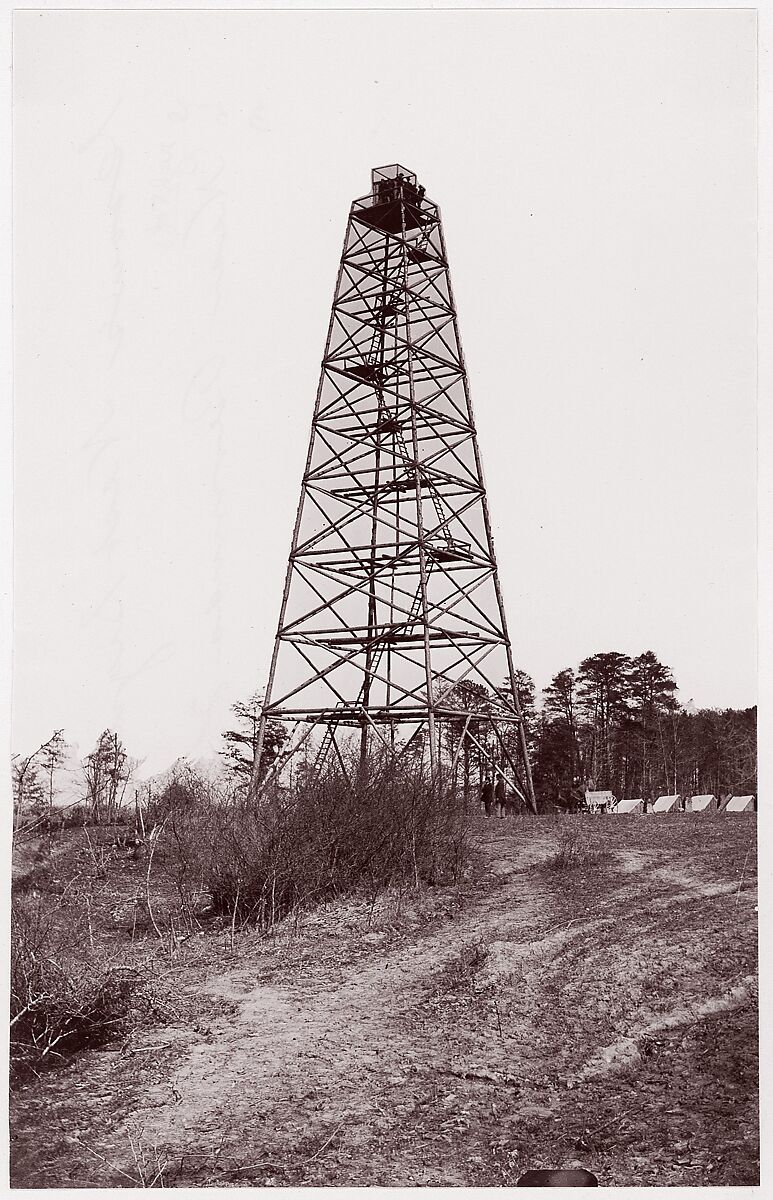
x=463, y=968
x=576, y=848
x=67, y=992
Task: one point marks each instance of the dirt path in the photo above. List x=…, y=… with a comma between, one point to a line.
x=449, y=1056
x=338, y=1049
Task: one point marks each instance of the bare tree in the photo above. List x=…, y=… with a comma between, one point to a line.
x=108, y=770
x=51, y=759
x=472, y=697
x=27, y=785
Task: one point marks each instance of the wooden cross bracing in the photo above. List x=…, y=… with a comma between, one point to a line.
x=391, y=604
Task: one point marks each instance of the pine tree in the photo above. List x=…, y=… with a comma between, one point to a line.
x=242, y=742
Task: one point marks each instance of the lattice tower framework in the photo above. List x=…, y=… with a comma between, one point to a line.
x=392, y=621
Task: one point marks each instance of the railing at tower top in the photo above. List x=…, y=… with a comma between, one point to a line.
x=396, y=204
x=392, y=171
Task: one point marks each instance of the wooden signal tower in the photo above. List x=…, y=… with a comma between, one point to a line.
x=392, y=621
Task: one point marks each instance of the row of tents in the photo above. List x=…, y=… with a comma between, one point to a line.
x=605, y=802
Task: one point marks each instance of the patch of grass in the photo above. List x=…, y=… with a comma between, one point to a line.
x=461, y=970
x=577, y=848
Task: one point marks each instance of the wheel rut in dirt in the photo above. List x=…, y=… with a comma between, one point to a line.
x=358, y=1030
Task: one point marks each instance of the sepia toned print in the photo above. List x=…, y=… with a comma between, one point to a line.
x=385, y=740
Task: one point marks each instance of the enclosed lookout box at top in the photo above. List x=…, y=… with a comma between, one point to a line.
x=395, y=202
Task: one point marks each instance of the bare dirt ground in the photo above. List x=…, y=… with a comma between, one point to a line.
x=603, y=1014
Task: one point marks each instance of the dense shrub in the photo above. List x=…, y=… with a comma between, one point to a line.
x=65, y=993
x=334, y=833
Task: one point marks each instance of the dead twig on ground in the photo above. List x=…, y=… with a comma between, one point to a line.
x=484, y=1077
x=147, y=1049
x=106, y=1162
x=154, y=836
x=325, y=1144
x=278, y=1165
x=233, y=918
x=141, y=1163
x=499, y=1021
x=743, y=872
x=607, y=1124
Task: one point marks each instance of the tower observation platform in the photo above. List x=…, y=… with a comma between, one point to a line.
x=395, y=202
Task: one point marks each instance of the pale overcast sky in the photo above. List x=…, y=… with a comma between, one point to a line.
x=182, y=183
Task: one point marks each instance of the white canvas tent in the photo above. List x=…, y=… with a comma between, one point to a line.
x=629, y=806
x=665, y=804
x=597, y=802
x=703, y=804
x=740, y=804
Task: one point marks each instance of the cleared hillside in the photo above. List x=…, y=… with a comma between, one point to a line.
x=587, y=995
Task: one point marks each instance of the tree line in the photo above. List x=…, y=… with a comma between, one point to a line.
x=612, y=723
x=615, y=723
x=102, y=781
x=104, y=776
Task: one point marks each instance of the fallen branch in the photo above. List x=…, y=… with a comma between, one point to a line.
x=607, y=1124
x=743, y=872
x=269, y=1163
x=484, y=1077
x=106, y=1162
x=325, y=1144
x=147, y=1049
x=154, y=836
